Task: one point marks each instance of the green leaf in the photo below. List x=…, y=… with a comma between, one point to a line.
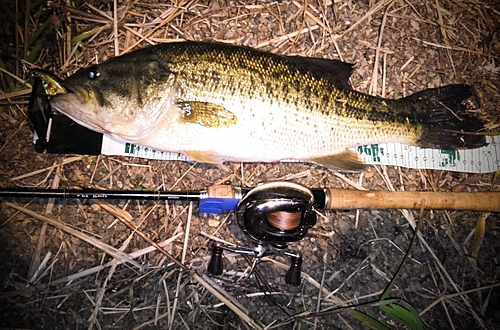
x=89, y=33
x=368, y=320
x=34, y=52
x=38, y=32
x=488, y=133
x=402, y=312
x=457, y=214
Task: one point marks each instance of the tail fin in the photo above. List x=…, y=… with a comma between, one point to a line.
x=447, y=125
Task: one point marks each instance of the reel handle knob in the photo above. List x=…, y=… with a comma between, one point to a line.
x=294, y=272
x=215, y=265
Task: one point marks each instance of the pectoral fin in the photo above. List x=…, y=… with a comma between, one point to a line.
x=206, y=114
x=347, y=161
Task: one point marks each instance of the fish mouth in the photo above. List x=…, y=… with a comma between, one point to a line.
x=82, y=93
x=53, y=86
x=76, y=101
x=74, y=96
x=78, y=104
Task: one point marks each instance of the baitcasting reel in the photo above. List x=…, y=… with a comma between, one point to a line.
x=272, y=215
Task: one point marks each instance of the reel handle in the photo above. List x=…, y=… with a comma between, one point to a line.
x=347, y=199
x=292, y=277
x=293, y=274
x=215, y=265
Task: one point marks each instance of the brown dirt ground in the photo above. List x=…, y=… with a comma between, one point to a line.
x=349, y=256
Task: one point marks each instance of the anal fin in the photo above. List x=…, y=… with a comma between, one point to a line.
x=209, y=156
x=347, y=160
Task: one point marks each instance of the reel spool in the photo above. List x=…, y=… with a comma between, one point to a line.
x=276, y=213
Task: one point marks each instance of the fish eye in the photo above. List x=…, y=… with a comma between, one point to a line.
x=94, y=72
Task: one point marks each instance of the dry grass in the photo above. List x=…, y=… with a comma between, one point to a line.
x=133, y=265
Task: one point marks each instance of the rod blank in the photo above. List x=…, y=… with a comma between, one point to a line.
x=102, y=194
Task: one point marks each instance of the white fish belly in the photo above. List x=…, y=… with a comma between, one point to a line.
x=270, y=134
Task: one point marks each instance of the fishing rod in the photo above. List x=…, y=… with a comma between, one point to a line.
x=218, y=198
x=274, y=215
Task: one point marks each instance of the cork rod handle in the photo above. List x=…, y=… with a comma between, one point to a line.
x=346, y=199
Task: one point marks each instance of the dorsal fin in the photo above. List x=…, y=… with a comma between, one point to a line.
x=336, y=71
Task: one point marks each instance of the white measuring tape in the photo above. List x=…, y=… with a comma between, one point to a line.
x=481, y=160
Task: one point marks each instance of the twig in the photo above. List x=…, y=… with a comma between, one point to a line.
x=10, y=95
x=64, y=162
x=183, y=259
x=162, y=23
x=86, y=272
x=194, y=275
x=115, y=27
x=373, y=84
x=368, y=14
x=458, y=294
x=22, y=81
x=100, y=295
x=102, y=290
x=348, y=181
x=409, y=217
x=9, y=138
x=287, y=36
x=122, y=257
x=35, y=262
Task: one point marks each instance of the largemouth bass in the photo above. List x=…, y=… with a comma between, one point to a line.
x=215, y=102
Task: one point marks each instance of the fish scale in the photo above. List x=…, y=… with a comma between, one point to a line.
x=217, y=102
